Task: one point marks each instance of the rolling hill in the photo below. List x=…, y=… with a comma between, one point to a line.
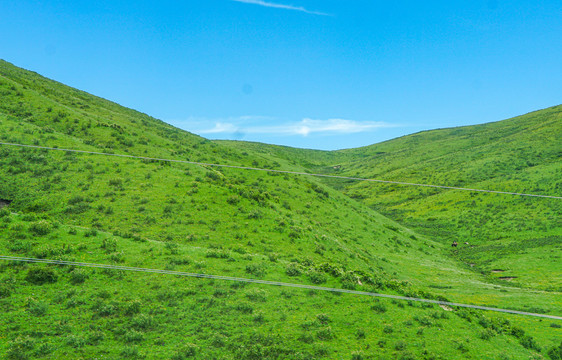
x=233, y=222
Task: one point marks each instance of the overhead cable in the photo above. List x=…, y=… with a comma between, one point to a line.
x=274, y=283
x=283, y=171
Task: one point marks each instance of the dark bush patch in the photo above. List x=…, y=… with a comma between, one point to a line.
x=40, y=276
x=186, y=351
x=293, y=269
x=41, y=228
x=78, y=276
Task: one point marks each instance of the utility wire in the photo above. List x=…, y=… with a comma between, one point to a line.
x=283, y=171
x=274, y=283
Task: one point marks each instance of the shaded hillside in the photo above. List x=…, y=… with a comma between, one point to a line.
x=201, y=219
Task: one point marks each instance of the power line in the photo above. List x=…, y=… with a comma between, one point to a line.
x=284, y=171
x=274, y=283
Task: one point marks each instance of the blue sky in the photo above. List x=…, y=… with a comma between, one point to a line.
x=307, y=73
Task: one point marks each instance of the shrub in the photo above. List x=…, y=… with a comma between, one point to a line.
x=487, y=334
x=233, y=199
x=316, y=277
x=555, y=353
x=325, y=334
x=78, y=276
x=218, y=254
x=41, y=228
x=40, y=276
x=107, y=310
x=306, y=338
x=133, y=307
x=109, y=245
x=75, y=341
x=94, y=338
x=75, y=200
x=257, y=295
x=4, y=212
x=142, y=322
x=219, y=340
x=379, y=308
x=186, y=351
x=44, y=350
x=133, y=336
x=5, y=291
x=17, y=349
x=357, y=355
x=245, y=308
x=259, y=318
x=255, y=269
x=388, y=329
x=130, y=352
x=293, y=269
x=36, y=308
x=323, y=318
x=529, y=343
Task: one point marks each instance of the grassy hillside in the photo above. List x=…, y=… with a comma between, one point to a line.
x=523, y=154
x=232, y=222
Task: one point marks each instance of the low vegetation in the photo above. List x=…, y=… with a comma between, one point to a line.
x=200, y=219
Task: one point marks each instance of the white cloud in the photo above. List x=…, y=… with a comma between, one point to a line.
x=280, y=6
x=220, y=128
x=304, y=127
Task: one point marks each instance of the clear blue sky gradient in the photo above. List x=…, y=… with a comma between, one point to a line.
x=340, y=74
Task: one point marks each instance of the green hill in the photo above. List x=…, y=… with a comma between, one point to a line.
x=201, y=219
x=522, y=154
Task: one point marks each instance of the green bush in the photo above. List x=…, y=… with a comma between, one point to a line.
x=130, y=352
x=316, y=277
x=18, y=349
x=379, y=308
x=555, y=353
x=256, y=269
x=529, y=343
x=133, y=336
x=257, y=295
x=487, y=334
x=109, y=245
x=323, y=318
x=186, y=351
x=325, y=334
x=75, y=341
x=41, y=228
x=37, y=308
x=142, y=322
x=293, y=269
x=133, y=307
x=4, y=212
x=40, y=276
x=388, y=329
x=78, y=276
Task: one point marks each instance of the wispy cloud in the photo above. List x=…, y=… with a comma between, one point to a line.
x=281, y=6
x=304, y=127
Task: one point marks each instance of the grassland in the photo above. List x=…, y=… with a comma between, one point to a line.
x=232, y=222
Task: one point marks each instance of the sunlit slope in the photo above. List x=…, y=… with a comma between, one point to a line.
x=520, y=235
x=523, y=154
x=205, y=220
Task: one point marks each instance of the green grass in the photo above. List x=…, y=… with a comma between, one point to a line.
x=231, y=222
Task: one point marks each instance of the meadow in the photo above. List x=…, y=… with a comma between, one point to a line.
x=279, y=227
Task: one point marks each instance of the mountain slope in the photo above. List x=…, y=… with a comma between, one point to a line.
x=522, y=155
x=201, y=219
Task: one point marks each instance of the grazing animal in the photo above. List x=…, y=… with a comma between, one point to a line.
x=454, y=244
x=466, y=243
